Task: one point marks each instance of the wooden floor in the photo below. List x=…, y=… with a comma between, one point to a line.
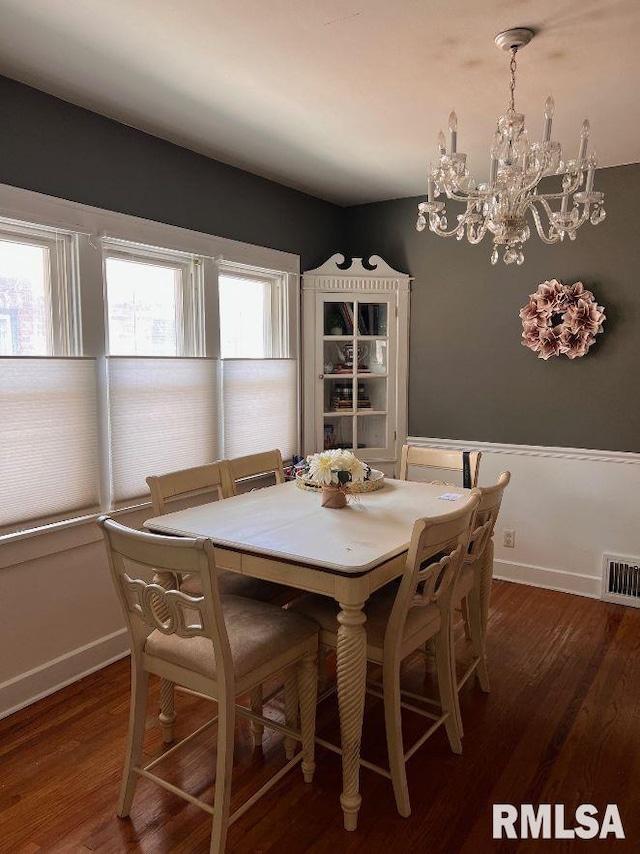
x=561, y=725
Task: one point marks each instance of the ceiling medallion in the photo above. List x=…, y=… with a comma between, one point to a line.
x=516, y=168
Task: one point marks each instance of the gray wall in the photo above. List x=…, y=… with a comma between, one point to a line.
x=53, y=147
x=470, y=378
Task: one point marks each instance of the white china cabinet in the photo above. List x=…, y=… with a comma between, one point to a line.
x=355, y=343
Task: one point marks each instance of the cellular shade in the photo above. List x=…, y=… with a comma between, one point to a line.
x=48, y=440
x=163, y=417
x=260, y=400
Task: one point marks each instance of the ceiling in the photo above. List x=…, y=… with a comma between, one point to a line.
x=339, y=98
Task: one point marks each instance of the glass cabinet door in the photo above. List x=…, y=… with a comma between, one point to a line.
x=356, y=390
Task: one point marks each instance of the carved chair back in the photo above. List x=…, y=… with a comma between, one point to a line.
x=435, y=556
x=134, y=557
x=486, y=517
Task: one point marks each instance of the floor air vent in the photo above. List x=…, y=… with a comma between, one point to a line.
x=621, y=580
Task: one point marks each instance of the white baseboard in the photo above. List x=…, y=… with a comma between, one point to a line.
x=550, y=579
x=35, y=684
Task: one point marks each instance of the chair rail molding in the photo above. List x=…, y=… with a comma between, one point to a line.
x=628, y=457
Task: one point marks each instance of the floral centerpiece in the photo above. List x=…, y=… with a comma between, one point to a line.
x=333, y=471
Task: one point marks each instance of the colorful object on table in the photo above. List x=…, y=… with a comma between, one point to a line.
x=561, y=320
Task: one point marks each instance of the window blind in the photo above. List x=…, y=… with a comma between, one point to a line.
x=162, y=416
x=48, y=440
x=260, y=404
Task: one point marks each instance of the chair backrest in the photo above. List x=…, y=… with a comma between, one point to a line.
x=134, y=556
x=486, y=516
x=437, y=550
x=254, y=465
x=199, y=481
x=441, y=464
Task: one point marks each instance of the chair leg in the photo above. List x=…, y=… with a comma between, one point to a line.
x=464, y=608
x=478, y=640
x=307, y=683
x=224, y=770
x=323, y=677
x=445, y=663
x=290, y=710
x=167, y=715
x=135, y=739
x=395, y=744
x=256, y=707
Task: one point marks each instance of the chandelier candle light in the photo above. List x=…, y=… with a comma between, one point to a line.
x=516, y=169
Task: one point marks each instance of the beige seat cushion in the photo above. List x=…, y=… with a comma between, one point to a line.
x=234, y=584
x=378, y=609
x=257, y=633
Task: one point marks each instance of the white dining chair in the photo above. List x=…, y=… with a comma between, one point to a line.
x=243, y=471
x=400, y=620
x=473, y=589
x=218, y=646
x=434, y=465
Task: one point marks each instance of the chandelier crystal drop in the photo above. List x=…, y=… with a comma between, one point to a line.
x=501, y=206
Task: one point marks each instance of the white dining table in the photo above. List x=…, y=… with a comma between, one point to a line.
x=282, y=533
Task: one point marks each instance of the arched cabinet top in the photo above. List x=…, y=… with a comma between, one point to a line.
x=339, y=273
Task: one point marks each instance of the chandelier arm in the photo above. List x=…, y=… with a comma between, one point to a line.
x=553, y=236
x=584, y=216
x=541, y=200
x=533, y=183
x=440, y=231
x=480, y=235
x=573, y=187
x=465, y=198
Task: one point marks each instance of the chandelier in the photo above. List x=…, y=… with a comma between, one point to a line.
x=517, y=166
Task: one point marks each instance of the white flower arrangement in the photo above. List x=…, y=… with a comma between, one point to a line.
x=335, y=468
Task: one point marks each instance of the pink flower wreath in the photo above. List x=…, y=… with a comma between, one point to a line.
x=561, y=319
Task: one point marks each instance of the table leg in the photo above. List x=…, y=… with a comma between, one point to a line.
x=351, y=667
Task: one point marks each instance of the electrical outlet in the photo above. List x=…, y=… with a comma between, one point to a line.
x=509, y=539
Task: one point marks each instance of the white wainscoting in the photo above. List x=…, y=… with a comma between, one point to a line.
x=41, y=681
x=61, y=619
x=567, y=506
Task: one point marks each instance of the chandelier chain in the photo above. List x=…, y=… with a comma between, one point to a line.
x=512, y=85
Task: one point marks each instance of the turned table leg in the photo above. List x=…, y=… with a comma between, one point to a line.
x=351, y=667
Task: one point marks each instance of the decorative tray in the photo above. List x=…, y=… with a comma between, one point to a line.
x=374, y=481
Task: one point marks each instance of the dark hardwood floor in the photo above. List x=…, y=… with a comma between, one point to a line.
x=561, y=725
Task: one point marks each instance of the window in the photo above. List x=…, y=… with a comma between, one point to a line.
x=253, y=313
x=37, y=295
x=154, y=303
x=48, y=429
x=259, y=381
